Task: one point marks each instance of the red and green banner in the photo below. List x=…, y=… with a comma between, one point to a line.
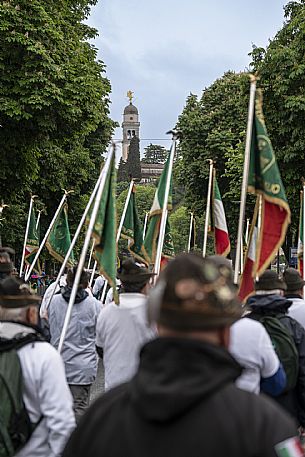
x=152, y=234
x=132, y=230
x=265, y=180
x=32, y=242
x=59, y=240
x=246, y=287
x=300, y=238
x=220, y=228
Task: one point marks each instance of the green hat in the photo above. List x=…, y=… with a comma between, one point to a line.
x=270, y=280
x=293, y=280
x=14, y=293
x=132, y=272
x=192, y=294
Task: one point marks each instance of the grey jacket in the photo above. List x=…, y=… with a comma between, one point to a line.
x=78, y=352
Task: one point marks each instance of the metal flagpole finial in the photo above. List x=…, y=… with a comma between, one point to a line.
x=67, y=192
x=253, y=77
x=2, y=206
x=175, y=133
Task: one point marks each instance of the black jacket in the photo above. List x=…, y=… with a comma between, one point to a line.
x=181, y=403
x=275, y=305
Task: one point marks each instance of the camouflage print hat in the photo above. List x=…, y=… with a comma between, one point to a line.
x=192, y=294
x=14, y=293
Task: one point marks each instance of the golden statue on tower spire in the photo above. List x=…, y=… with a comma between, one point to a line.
x=130, y=96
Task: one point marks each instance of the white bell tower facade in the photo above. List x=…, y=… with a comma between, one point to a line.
x=130, y=125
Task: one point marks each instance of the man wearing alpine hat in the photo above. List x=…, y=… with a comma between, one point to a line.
x=123, y=329
x=45, y=393
x=295, y=293
x=183, y=400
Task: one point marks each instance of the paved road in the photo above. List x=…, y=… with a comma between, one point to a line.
x=98, y=386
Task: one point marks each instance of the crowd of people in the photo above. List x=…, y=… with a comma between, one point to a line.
x=188, y=369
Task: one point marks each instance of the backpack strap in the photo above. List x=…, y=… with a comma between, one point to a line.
x=19, y=342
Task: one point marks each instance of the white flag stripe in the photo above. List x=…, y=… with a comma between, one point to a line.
x=219, y=216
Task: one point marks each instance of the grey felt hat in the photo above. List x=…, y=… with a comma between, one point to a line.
x=293, y=280
x=270, y=280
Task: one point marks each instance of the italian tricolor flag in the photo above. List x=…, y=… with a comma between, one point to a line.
x=155, y=215
x=220, y=228
x=289, y=448
x=300, y=239
x=246, y=287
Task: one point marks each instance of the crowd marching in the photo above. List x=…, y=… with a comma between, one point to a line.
x=199, y=358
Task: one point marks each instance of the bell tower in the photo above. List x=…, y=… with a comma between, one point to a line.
x=130, y=125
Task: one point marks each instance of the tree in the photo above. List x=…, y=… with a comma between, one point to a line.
x=281, y=69
x=144, y=197
x=154, y=153
x=54, y=110
x=133, y=164
x=122, y=171
x=180, y=223
x=213, y=127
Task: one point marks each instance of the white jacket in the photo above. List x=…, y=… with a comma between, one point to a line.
x=46, y=394
x=297, y=310
x=121, y=332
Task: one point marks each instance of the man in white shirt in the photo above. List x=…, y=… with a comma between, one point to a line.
x=294, y=293
x=251, y=346
x=46, y=394
x=98, y=287
x=122, y=330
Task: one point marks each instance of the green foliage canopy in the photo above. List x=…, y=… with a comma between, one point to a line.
x=54, y=108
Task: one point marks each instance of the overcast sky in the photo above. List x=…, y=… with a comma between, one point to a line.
x=165, y=49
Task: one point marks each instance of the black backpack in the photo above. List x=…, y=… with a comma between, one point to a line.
x=15, y=425
x=283, y=344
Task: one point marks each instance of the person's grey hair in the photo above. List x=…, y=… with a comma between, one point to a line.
x=13, y=314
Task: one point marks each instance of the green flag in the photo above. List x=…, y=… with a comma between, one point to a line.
x=32, y=242
x=152, y=234
x=59, y=240
x=132, y=230
x=265, y=180
x=105, y=228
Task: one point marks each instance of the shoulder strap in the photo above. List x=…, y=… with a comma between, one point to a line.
x=17, y=343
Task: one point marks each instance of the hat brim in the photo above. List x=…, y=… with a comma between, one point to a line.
x=135, y=278
x=184, y=320
x=19, y=301
x=296, y=285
